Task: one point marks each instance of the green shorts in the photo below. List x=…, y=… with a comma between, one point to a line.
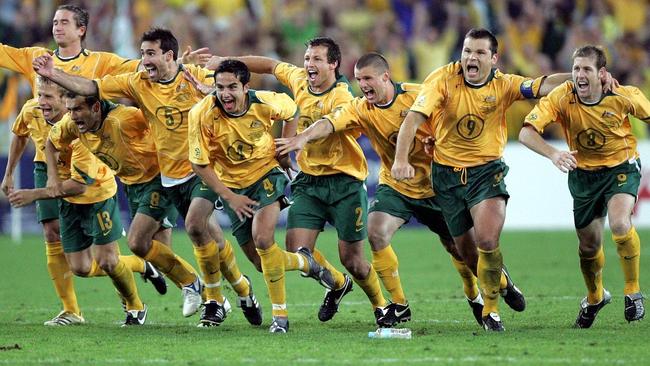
x=85, y=224
x=181, y=195
x=151, y=199
x=265, y=191
x=458, y=190
x=591, y=190
x=46, y=210
x=339, y=199
x=425, y=210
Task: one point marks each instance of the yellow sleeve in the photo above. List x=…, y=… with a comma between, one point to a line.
x=116, y=65
x=84, y=166
x=546, y=111
x=432, y=94
x=284, y=108
x=522, y=87
x=345, y=116
x=19, y=128
x=288, y=75
x=19, y=59
x=198, y=135
x=113, y=87
x=640, y=104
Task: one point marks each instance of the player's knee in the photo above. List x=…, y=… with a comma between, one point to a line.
x=620, y=227
x=588, y=249
x=263, y=240
x=487, y=244
x=51, y=232
x=80, y=269
x=108, y=264
x=196, y=231
x=356, y=265
x=378, y=240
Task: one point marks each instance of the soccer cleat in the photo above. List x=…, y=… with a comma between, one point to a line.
x=511, y=294
x=492, y=322
x=332, y=300
x=477, y=308
x=213, y=314
x=65, y=318
x=135, y=317
x=379, y=314
x=395, y=313
x=249, y=306
x=634, y=309
x=192, y=297
x=156, y=278
x=279, y=325
x=316, y=271
x=588, y=312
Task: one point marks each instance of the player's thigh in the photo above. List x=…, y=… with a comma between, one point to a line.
x=309, y=209
x=103, y=222
x=349, y=210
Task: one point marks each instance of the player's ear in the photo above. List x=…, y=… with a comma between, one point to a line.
x=96, y=107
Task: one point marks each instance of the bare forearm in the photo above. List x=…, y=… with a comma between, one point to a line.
x=16, y=150
x=406, y=134
x=259, y=64
x=530, y=138
x=51, y=159
x=551, y=82
x=322, y=128
x=77, y=84
x=209, y=177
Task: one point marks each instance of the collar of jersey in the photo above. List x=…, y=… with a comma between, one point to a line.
x=490, y=77
x=165, y=82
x=251, y=99
x=575, y=92
x=83, y=52
x=398, y=90
x=340, y=79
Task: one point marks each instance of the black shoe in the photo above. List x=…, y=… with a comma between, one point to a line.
x=492, y=322
x=213, y=314
x=316, y=271
x=332, y=300
x=379, y=314
x=135, y=317
x=588, y=312
x=156, y=278
x=279, y=325
x=477, y=308
x=395, y=313
x=634, y=309
x=512, y=295
x=250, y=306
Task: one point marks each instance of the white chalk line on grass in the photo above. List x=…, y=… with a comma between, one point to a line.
x=290, y=304
x=370, y=361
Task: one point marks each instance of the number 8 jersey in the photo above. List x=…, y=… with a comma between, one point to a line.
x=600, y=132
x=469, y=121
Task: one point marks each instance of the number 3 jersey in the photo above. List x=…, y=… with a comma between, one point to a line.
x=469, y=121
x=600, y=132
x=240, y=148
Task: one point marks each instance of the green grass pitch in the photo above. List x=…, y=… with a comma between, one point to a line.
x=543, y=264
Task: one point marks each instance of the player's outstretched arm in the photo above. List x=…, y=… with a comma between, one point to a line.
x=44, y=66
x=256, y=64
x=24, y=197
x=322, y=128
x=16, y=150
x=199, y=57
x=243, y=206
x=563, y=160
x=555, y=80
x=401, y=168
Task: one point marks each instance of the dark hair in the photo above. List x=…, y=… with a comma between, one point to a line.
x=42, y=80
x=373, y=59
x=167, y=40
x=90, y=100
x=333, y=50
x=482, y=33
x=80, y=16
x=595, y=52
x=236, y=67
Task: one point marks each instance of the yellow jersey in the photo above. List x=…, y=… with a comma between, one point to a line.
x=76, y=162
x=240, y=148
x=123, y=142
x=381, y=125
x=88, y=64
x=166, y=106
x=30, y=123
x=337, y=153
x=599, y=132
x=469, y=121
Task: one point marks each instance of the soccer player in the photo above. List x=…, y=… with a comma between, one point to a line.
x=121, y=138
x=88, y=214
x=379, y=114
x=604, y=172
x=330, y=187
x=165, y=98
x=232, y=150
x=466, y=103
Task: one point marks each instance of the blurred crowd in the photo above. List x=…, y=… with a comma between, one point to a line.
x=535, y=36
